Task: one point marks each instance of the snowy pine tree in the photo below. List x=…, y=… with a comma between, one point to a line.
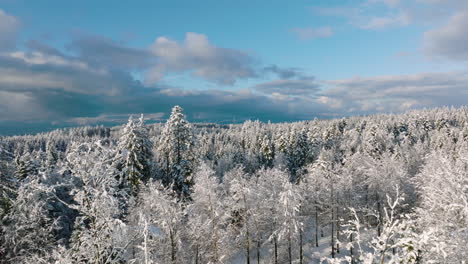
x=52, y=155
x=28, y=228
x=25, y=166
x=175, y=151
x=134, y=156
x=99, y=235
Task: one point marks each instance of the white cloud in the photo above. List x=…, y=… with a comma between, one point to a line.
x=99, y=50
x=450, y=40
x=20, y=106
x=312, y=33
x=21, y=71
x=401, y=19
x=16, y=78
x=330, y=102
x=198, y=56
x=36, y=57
x=288, y=87
x=393, y=13
x=43, y=83
x=398, y=93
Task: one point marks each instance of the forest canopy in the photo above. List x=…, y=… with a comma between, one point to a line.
x=364, y=189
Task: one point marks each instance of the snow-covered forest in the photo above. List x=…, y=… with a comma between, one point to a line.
x=373, y=189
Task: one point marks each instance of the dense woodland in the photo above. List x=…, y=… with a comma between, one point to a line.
x=373, y=189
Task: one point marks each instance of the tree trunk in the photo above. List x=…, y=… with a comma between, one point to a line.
x=173, y=247
x=167, y=177
x=247, y=246
x=337, y=229
x=247, y=233
x=380, y=216
x=418, y=257
x=145, y=245
x=289, y=248
x=332, y=225
x=95, y=238
x=196, y=254
x=366, y=197
x=351, y=249
x=332, y=238
x=258, y=251
x=276, y=249
x=316, y=224
x=215, y=235
x=367, y=202
x=301, y=253
x=179, y=158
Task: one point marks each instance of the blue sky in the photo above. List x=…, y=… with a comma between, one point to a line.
x=67, y=63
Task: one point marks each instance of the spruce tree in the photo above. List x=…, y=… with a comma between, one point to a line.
x=176, y=152
x=134, y=157
x=25, y=166
x=52, y=155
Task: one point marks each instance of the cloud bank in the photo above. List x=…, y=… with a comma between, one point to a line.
x=91, y=80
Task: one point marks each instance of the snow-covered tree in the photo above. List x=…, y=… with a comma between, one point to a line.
x=207, y=216
x=381, y=177
x=241, y=210
x=175, y=152
x=134, y=156
x=294, y=147
x=443, y=216
x=161, y=217
x=7, y=194
x=99, y=235
x=396, y=243
x=28, y=228
x=52, y=155
x=290, y=203
x=100, y=204
x=269, y=218
x=25, y=166
x=267, y=151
